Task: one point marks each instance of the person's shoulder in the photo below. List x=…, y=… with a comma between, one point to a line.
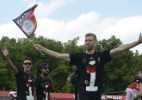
x=20, y=71
x=132, y=85
x=38, y=79
x=32, y=75
x=48, y=80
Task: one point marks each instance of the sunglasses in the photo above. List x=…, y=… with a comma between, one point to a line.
x=45, y=68
x=27, y=63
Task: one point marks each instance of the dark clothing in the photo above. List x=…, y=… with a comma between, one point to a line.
x=75, y=84
x=24, y=85
x=43, y=88
x=90, y=71
x=89, y=96
x=141, y=83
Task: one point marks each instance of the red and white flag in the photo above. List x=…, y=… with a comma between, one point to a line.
x=27, y=21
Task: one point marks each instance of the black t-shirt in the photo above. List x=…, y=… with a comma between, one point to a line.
x=43, y=88
x=90, y=70
x=140, y=81
x=24, y=85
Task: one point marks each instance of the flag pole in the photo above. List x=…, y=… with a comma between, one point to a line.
x=33, y=44
x=27, y=23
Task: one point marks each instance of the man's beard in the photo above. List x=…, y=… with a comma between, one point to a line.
x=45, y=74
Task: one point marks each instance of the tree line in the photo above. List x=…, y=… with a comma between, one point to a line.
x=117, y=74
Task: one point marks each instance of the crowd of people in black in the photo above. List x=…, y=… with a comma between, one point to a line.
x=87, y=78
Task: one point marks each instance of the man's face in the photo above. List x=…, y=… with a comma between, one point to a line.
x=27, y=65
x=45, y=70
x=89, y=42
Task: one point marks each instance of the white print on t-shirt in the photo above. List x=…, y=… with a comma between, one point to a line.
x=29, y=85
x=91, y=69
x=46, y=91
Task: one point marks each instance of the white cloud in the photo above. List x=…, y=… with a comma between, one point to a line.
x=10, y=30
x=127, y=29
x=124, y=28
x=45, y=9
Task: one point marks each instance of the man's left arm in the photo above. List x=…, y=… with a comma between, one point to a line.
x=126, y=46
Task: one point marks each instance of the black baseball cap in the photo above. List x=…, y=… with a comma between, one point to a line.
x=136, y=78
x=41, y=66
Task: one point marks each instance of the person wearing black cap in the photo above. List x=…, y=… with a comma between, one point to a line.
x=139, y=95
x=133, y=88
x=42, y=84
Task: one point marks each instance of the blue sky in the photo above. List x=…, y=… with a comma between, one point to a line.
x=107, y=8
x=72, y=18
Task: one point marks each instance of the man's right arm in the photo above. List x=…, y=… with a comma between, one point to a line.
x=10, y=64
x=70, y=76
x=63, y=56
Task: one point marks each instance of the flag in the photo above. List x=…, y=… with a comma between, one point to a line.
x=27, y=21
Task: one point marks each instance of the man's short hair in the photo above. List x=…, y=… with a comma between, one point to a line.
x=27, y=58
x=92, y=34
